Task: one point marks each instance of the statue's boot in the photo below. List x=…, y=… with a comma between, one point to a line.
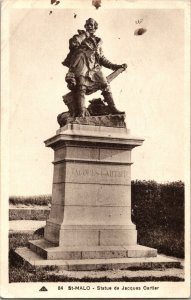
x=81, y=109
x=108, y=98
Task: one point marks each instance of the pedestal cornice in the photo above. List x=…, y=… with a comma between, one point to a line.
x=74, y=134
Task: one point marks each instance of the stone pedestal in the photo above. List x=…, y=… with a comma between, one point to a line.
x=89, y=226
x=91, y=197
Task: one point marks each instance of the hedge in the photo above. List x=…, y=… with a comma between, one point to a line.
x=156, y=204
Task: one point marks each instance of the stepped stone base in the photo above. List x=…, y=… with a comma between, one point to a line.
x=48, y=251
x=42, y=253
x=89, y=264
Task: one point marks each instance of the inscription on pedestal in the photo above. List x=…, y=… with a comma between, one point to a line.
x=94, y=173
x=99, y=172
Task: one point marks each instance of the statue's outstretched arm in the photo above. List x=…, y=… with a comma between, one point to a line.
x=107, y=64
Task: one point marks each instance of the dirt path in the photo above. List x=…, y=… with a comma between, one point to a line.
x=25, y=225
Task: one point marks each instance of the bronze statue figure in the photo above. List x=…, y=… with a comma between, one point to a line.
x=85, y=61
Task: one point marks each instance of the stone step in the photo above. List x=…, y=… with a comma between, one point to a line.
x=128, y=263
x=49, y=251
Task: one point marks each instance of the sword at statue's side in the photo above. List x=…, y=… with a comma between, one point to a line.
x=114, y=74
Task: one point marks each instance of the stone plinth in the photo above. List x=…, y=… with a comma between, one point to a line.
x=107, y=120
x=47, y=250
x=89, y=226
x=91, y=196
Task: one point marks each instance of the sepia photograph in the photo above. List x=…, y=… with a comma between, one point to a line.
x=95, y=152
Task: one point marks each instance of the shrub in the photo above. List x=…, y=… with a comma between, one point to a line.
x=30, y=200
x=156, y=204
x=158, y=212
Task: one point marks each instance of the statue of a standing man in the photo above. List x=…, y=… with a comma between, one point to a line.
x=85, y=61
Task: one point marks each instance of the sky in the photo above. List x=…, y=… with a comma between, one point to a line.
x=151, y=90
